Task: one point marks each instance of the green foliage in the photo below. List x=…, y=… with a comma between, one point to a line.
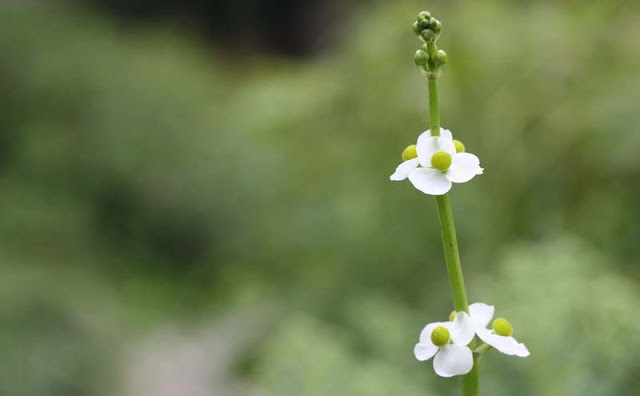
x=312, y=358
x=574, y=319
x=146, y=180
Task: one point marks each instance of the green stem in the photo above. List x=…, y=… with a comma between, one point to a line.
x=434, y=114
x=482, y=349
x=470, y=382
x=451, y=255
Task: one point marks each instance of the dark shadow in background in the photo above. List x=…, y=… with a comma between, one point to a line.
x=296, y=28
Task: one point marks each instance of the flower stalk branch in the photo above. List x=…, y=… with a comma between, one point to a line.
x=482, y=349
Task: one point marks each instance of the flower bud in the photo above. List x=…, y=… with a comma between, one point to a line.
x=423, y=23
x=416, y=28
x=440, y=57
x=432, y=23
x=421, y=57
x=502, y=327
x=428, y=35
x=409, y=153
x=459, y=146
x=441, y=160
x=424, y=18
x=424, y=15
x=440, y=336
x=437, y=26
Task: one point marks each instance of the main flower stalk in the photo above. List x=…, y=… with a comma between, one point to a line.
x=470, y=382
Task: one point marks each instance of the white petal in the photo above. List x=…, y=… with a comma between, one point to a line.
x=506, y=345
x=429, y=145
x=464, y=167
x=462, y=330
x=453, y=360
x=403, y=170
x=443, y=132
x=446, y=133
x=485, y=335
x=430, y=181
x=424, y=135
x=424, y=352
x=521, y=350
x=425, y=334
x=481, y=314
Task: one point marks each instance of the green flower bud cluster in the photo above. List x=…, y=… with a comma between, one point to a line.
x=429, y=59
x=427, y=27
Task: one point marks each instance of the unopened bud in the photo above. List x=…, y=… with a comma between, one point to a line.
x=423, y=23
x=437, y=26
x=421, y=57
x=416, y=28
x=440, y=57
x=428, y=35
x=424, y=15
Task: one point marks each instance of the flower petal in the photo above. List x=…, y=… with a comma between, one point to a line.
x=403, y=170
x=463, y=168
x=481, y=314
x=443, y=132
x=430, y=181
x=446, y=133
x=453, y=360
x=506, y=345
x=425, y=334
x=424, y=352
x=462, y=329
x=429, y=145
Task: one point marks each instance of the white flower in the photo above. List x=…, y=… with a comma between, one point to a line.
x=450, y=358
x=438, y=164
x=500, y=336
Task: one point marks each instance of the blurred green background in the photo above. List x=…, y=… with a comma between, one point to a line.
x=185, y=213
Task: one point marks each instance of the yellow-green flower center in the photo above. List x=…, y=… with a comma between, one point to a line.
x=440, y=336
x=441, y=161
x=459, y=146
x=452, y=315
x=502, y=327
x=409, y=153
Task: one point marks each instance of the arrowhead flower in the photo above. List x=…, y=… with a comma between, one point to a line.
x=499, y=336
x=438, y=162
x=447, y=341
